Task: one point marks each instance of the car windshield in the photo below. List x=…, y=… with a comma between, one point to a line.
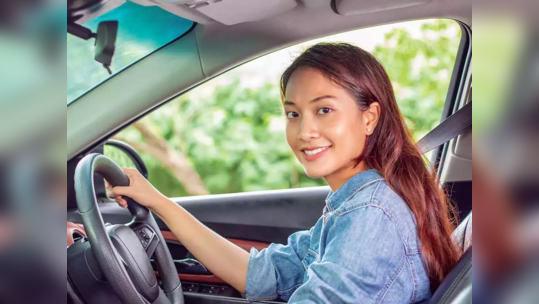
x=142, y=30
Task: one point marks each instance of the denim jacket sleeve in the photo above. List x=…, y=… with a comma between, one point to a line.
x=277, y=270
x=358, y=269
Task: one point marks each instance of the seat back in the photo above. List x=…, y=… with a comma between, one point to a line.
x=456, y=288
x=462, y=236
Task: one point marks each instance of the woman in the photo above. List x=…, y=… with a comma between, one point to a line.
x=384, y=235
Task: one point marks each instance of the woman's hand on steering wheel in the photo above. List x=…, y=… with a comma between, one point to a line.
x=139, y=189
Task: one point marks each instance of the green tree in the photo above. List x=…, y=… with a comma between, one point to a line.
x=420, y=69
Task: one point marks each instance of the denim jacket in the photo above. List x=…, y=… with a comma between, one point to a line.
x=364, y=249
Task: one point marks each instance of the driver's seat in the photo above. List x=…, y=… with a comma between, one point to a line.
x=456, y=288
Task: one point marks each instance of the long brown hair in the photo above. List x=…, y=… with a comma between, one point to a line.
x=390, y=149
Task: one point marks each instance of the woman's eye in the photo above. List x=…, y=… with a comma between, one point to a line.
x=291, y=115
x=324, y=111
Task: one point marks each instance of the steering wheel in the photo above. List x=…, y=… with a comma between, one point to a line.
x=123, y=251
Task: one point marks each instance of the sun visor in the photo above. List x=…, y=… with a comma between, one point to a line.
x=232, y=12
x=358, y=7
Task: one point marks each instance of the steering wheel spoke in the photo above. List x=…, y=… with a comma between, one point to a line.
x=147, y=236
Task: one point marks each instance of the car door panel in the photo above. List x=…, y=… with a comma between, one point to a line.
x=179, y=252
x=269, y=216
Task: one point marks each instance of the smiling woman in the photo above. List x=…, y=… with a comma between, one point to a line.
x=362, y=128
x=142, y=30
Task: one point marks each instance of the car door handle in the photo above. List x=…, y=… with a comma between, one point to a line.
x=191, y=266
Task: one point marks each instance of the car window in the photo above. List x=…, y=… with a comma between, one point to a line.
x=227, y=135
x=141, y=30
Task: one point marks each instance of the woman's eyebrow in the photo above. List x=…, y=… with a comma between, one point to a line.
x=314, y=100
x=323, y=97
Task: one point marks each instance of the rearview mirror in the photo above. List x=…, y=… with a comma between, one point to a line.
x=105, y=42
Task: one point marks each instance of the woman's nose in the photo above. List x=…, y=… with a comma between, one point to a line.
x=308, y=130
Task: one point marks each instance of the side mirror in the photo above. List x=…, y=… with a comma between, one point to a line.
x=105, y=42
x=125, y=155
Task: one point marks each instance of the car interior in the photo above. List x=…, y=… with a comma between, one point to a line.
x=137, y=249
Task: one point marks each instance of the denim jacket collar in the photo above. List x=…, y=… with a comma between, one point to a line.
x=350, y=187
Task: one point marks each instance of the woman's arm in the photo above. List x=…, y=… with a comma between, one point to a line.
x=222, y=257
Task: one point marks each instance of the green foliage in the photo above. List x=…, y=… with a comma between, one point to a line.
x=420, y=69
x=234, y=138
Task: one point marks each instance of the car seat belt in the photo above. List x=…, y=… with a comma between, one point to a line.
x=457, y=124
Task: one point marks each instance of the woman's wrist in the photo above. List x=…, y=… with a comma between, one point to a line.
x=161, y=204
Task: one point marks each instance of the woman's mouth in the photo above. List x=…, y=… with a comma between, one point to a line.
x=314, y=153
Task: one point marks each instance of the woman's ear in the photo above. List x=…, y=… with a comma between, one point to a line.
x=371, y=117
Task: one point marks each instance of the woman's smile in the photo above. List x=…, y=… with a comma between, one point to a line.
x=311, y=154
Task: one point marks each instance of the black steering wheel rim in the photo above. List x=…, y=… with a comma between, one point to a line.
x=107, y=257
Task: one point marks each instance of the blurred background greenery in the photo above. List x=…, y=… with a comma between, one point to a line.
x=227, y=135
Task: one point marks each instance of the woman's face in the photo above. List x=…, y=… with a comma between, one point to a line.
x=325, y=127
